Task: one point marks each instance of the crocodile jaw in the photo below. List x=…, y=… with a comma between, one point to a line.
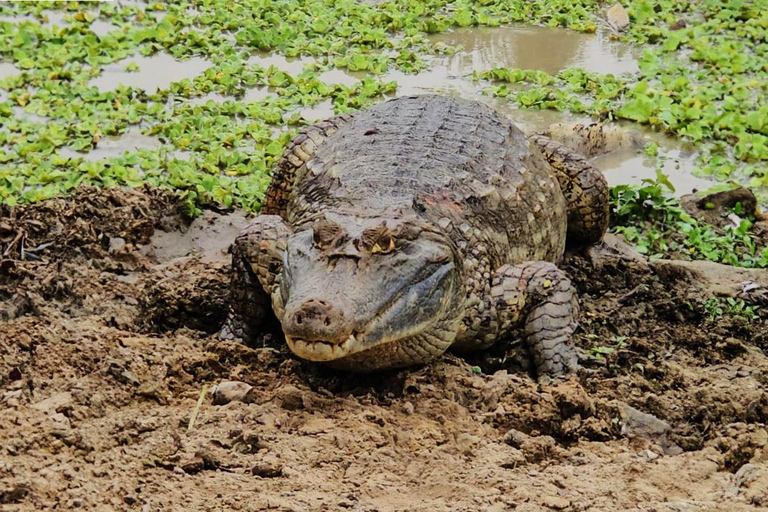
x=321, y=351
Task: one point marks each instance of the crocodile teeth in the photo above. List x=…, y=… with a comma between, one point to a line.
x=320, y=350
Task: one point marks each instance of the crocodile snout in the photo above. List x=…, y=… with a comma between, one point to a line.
x=316, y=320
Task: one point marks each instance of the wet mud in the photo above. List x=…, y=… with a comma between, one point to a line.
x=109, y=301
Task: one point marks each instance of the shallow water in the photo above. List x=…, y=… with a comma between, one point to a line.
x=292, y=66
x=543, y=48
x=633, y=166
x=107, y=147
x=155, y=72
x=8, y=69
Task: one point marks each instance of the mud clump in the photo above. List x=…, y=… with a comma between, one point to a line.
x=108, y=302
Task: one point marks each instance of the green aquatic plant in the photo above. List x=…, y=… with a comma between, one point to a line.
x=655, y=222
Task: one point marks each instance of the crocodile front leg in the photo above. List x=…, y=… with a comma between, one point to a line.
x=541, y=297
x=257, y=260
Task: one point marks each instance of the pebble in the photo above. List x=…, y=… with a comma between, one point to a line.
x=267, y=470
x=193, y=466
x=232, y=391
x=116, y=245
x=651, y=455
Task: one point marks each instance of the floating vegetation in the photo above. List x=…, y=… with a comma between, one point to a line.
x=703, y=76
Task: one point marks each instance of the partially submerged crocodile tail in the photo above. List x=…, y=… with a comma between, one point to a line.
x=584, y=187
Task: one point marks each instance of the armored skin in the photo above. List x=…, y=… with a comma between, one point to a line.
x=422, y=224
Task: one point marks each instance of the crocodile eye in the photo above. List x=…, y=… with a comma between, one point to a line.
x=326, y=234
x=378, y=240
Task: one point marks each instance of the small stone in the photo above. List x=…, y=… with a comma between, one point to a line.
x=515, y=438
x=12, y=396
x=746, y=474
x=651, y=455
x=54, y=403
x=193, y=466
x=267, y=470
x=129, y=500
x=291, y=398
x=116, y=245
x=232, y=391
x=640, y=424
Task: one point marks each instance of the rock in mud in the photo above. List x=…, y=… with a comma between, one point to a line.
x=636, y=423
x=718, y=208
x=617, y=17
x=232, y=391
x=715, y=278
x=267, y=471
x=556, y=503
x=54, y=403
x=746, y=474
x=193, y=466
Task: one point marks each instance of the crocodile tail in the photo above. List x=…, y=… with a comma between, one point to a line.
x=584, y=187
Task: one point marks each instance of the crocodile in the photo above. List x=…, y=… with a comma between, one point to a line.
x=425, y=223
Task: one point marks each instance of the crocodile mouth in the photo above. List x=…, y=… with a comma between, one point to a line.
x=322, y=351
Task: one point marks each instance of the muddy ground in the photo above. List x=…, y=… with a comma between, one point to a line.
x=106, y=343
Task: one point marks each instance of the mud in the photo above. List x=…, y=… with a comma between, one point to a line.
x=109, y=300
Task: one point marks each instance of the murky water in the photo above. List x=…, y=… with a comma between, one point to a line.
x=155, y=72
x=525, y=47
x=131, y=140
x=8, y=69
x=102, y=28
x=677, y=162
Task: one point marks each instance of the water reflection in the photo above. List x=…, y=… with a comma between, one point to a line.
x=131, y=140
x=676, y=161
x=155, y=72
x=322, y=110
x=292, y=66
x=542, y=48
x=7, y=69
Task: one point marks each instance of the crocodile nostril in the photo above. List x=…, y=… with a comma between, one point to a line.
x=316, y=319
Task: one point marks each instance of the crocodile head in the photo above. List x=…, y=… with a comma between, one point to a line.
x=376, y=286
